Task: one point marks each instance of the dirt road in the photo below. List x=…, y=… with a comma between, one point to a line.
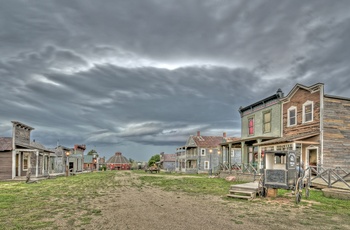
x=136, y=206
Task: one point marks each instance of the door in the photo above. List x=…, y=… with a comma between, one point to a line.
x=311, y=159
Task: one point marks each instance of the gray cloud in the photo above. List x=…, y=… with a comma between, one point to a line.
x=130, y=75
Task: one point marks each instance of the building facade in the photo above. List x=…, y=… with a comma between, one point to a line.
x=200, y=154
x=260, y=121
x=316, y=125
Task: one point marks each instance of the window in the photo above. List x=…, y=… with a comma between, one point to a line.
x=203, y=152
x=292, y=116
x=251, y=126
x=206, y=164
x=308, y=111
x=267, y=122
x=25, y=162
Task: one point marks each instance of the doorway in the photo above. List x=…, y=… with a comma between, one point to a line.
x=311, y=159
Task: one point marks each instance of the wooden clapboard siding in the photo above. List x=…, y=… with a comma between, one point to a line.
x=298, y=99
x=336, y=136
x=5, y=165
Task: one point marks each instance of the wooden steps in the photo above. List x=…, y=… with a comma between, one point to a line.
x=244, y=191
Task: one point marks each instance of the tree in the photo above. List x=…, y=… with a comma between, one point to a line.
x=154, y=159
x=92, y=152
x=131, y=160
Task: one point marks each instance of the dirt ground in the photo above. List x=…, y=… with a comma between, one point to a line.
x=132, y=206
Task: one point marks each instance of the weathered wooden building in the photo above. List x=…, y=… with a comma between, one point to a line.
x=200, y=154
x=260, y=121
x=167, y=161
x=316, y=125
x=18, y=155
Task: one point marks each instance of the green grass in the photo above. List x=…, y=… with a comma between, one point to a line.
x=38, y=205
x=32, y=206
x=192, y=184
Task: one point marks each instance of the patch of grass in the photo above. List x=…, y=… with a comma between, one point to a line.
x=33, y=206
x=190, y=184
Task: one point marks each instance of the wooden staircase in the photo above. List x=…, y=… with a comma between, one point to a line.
x=244, y=191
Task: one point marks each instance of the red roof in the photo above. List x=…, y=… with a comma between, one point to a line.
x=5, y=143
x=169, y=157
x=208, y=141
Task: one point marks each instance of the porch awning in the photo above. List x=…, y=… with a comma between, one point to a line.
x=299, y=138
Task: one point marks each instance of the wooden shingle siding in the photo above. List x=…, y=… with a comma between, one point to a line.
x=298, y=99
x=5, y=165
x=336, y=136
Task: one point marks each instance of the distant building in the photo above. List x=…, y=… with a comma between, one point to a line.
x=19, y=156
x=118, y=162
x=167, y=161
x=90, y=162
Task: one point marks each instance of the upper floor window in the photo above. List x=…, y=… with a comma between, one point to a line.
x=267, y=122
x=292, y=116
x=203, y=152
x=251, y=126
x=308, y=108
x=206, y=165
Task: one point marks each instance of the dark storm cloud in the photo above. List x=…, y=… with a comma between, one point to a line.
x=153, y=72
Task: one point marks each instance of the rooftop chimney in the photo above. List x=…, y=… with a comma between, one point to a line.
x=280, y=93
x=198, y=133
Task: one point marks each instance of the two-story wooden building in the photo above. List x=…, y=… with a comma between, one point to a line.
x=260, y=121
x=315, y=124
x=200, y=154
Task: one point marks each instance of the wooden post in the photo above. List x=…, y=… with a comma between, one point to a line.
x=67, y=170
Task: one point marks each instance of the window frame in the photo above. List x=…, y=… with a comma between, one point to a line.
x=264, y=122
x=26, y=166
x=203, y=152
x=206, y=163
x=251, y=127
x=295, y=116
x=308, y=103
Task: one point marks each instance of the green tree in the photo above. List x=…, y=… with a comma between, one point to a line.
x=154, y=159
x=93, y=152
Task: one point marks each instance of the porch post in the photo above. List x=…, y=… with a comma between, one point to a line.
x=19, y=164
x=37, y=163
x=229, y=158
x=243, y=151
x=259, y=156
x=14, y=163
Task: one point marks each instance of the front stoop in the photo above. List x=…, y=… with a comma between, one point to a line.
x=244, y=191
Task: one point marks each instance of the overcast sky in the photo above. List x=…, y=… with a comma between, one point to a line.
x=140, y=76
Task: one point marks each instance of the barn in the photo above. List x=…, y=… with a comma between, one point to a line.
x=118, y=162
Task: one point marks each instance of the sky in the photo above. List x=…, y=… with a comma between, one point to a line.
x=141, y=76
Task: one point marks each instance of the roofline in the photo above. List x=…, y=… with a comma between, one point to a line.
x=296, y=86
x=337, y=97
x=22, y=124
x=274, y=96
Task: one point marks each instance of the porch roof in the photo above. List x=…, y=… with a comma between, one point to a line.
x=5, y=143
x=289, y=139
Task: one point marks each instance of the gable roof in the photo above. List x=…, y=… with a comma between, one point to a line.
x=207, y=141
x=312, y=88
x=5, y=143
x=169, y=157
